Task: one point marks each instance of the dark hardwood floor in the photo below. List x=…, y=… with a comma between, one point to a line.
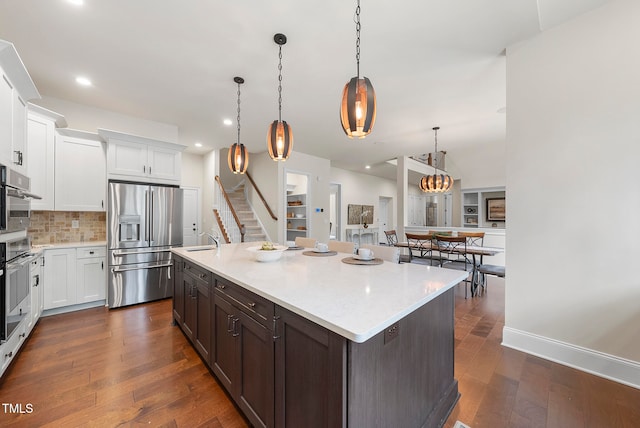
x=131, y=367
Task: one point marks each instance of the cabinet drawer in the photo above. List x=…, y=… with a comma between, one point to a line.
x=197, y=272
x=258, y=308
x=91, y=252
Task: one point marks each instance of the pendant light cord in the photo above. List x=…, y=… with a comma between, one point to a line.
x=436, y=140
x=280, y=85
x=358, y=40
x=238, y=113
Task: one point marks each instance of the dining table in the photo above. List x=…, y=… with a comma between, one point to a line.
x=477, y=252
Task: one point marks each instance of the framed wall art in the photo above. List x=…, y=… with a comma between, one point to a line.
x=496, y=209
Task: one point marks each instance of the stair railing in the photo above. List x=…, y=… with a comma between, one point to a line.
x=266, y=205
x=228, y=215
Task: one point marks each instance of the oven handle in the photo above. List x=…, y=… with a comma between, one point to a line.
x=117, y=270
x=17, y=265
x=21, y=194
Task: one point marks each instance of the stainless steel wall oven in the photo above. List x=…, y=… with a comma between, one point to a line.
x=15, y=200
x=15, y=298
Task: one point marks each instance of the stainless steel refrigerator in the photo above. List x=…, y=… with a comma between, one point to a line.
x=144, y=222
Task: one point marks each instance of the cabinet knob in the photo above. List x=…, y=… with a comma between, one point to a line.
x=9, y=355
x=252, y=305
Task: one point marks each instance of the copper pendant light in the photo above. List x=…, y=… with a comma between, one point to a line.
x=358, y=108
x=238, y=155
x=436, y=183
x=280, y=135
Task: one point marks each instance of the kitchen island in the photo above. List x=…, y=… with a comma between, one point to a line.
x=311, y=341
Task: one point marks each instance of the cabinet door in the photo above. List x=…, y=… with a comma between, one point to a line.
x=6, y=120
x=190, y=319
x=80, y=175
x=225, y=357
x=40, y=152
x=60, y=272
x=19, y=134
x=256, y=365
x=202, y=336
x=164, y=163
x=178, y=292
x=127, y=158
x=309, y=374
x=91, y=280
x=36, y=295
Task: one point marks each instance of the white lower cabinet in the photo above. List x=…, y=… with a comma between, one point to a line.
x=74, y=276
x=90, y=279
x=10, y=348
x=60, y=277
x=36, y=292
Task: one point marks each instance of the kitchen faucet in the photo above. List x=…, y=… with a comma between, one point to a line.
x=212, y=239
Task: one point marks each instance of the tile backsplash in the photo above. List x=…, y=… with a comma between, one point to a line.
x=56, y=227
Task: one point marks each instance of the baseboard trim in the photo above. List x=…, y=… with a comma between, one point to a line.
x=600, y=364
x=73, y=308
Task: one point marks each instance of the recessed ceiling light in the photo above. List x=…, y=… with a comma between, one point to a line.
x=368, y=167
x=77, y=2
x=198, y=144
x=83, y=81
x=228, y=122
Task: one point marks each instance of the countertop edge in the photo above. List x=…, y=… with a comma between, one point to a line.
x=354, y=336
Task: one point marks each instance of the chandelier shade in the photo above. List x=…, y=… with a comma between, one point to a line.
x=358, y=109
x=279, y=140
x=279, y=136
x=238, y=158
x=436, y=183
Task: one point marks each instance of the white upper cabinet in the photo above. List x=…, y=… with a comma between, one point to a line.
x=130, y=157
x=16, y=87
x=6, y=120
x=41, y=134
x=80, y=171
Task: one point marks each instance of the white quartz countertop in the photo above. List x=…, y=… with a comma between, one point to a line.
x=354, y=301
x=71, y=245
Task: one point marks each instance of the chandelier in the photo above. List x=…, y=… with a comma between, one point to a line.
x=436, y=183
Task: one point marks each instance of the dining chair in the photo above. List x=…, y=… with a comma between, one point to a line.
x=475, y=239
x=305, y=242
x=392, y=237
x=453, y=246
x=485, y=269
x=384, y=252
x=421, y=246
x=342, y=246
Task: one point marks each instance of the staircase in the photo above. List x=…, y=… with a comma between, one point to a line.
x=253, y=230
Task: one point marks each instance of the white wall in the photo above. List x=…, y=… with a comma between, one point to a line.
x=89, y=119
x=192, y=170
x=209, y=171
x=363, y=189
x=573, y=132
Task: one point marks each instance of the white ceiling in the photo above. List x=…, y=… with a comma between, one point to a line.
x=431, y=62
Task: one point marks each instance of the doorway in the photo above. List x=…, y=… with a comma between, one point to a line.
x=385, y=215
x=335, y=219
x=190, y=216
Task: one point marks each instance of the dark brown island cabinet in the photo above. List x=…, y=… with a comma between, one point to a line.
x=283, y=370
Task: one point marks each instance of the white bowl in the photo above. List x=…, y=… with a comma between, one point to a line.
x=267, y=255
x=299, y=215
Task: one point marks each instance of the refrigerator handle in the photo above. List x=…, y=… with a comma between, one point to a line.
x=146, y=207
x=151, y=239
